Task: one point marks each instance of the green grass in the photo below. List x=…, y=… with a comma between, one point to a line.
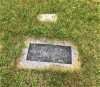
x=78, y=22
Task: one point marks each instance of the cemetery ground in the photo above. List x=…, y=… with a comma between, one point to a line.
x=77, y=22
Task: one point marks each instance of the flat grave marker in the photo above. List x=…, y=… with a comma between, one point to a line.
x=49, y=54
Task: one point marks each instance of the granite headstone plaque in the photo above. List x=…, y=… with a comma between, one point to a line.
x=49, y=53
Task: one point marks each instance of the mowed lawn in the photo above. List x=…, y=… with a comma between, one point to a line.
x=78, y=22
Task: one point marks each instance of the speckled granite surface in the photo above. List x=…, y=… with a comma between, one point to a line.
x=49, y=53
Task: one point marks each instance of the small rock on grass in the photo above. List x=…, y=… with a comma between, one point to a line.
x=47, y=17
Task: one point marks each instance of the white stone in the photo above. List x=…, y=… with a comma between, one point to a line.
x=47, y=17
